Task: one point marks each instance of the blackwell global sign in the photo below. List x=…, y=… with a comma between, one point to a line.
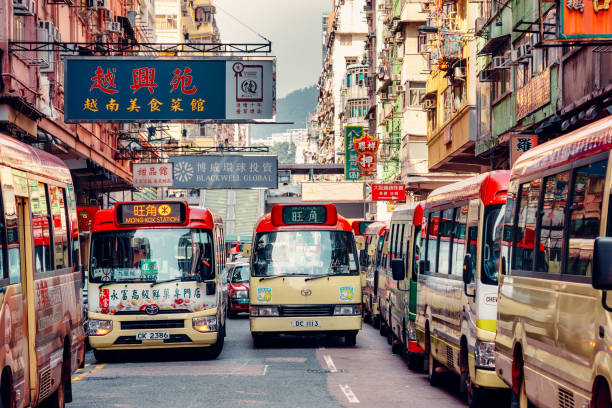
x=224, y=172
x=103, y=89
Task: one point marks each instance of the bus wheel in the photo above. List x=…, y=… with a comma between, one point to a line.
x=213, y=351
x=601, y=395
x=431, y=365
x=518, y=397
x=415, y=362
x=350, y=339
x=473, y=394
x=58, y=398
x=382, y=327
x=258, y=340
x=5, y=390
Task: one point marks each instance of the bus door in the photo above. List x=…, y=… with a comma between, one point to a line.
x=473, y=238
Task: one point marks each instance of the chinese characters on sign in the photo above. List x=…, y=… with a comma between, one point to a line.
x=158, y=212
x=351, y=169
x=534, y=95
x=366, y=147
x=132, y=89
x=519, y=144
x=388, y=192
x=585, y=20
x=152, y=175
x=225, y=172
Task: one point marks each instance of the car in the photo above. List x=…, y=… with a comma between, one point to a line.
x=238, y=288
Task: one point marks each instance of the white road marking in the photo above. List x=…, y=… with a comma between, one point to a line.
x=349, y=394
x=265, y=369
x=330, y=363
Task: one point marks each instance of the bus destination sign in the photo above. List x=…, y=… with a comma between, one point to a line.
x=304, y=214
x=151, y=213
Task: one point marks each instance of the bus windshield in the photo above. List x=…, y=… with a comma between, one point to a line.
x=147, y=255
x=305, y=253
x=492, y=248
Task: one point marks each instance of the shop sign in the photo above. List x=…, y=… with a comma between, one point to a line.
x=519, y=144
x=585, y=19
x=86, y=217
x=388, y=192
x=534, y=95
x=152, y=175
x=366, y=148
x=351, y=169
x=128, y=89
x=225, y=172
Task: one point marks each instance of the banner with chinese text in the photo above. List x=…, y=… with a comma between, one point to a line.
x=519, y=144
x=152, y=175
x=177, y=89
x=225, y=172
x=388, y=192
x=351, y=169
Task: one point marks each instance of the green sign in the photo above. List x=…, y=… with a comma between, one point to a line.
x=304, y=214
x=351, y=170
x=148, y=269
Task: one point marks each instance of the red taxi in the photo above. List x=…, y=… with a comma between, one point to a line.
x=238, y=288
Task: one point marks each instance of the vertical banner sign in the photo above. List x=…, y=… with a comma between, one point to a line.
x=127, y=89
x=152, y=175
x=519, y=144
x=351, y=169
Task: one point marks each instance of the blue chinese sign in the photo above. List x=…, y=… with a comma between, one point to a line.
x=224, y=172
x=177, y=89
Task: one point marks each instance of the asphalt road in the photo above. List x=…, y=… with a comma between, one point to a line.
x=287, y=372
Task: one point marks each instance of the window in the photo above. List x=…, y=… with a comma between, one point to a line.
x=401, y=242
x=40, y=227
x=585, y=217
x=74, y=230
x=203, y=15
x=422, y=42
x=165, y=22
x=550, y=248
x=459, y=240
x=509, y=224
x=416, y=93
x=472, y=232
x=430, y=241
x=526, y=226
x=432, y=118
x=379, y=249
x=12, y=233
x=346, y=39
x=491, y=250
x=393, y=244
x=448, y=104
x=60, y=228
x=416, y=256
x=446, y=225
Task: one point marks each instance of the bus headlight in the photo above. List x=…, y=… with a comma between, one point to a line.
x=239, y=294
x=411, y=330
x=264, y=311
x=484, y=354
x=204, y=324
x=347, y=310
x=99, y=327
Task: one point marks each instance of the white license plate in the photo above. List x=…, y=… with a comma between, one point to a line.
x=306, y=323
x=152, y=336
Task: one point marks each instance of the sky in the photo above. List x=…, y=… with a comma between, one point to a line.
x=293, y=26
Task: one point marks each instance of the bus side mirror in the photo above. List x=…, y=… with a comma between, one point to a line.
x=372, y=250
x=467, y=274
x=246, y=250
x=210, y=287
x=204, y=267
x=397, y=269
x=602, y=268
x=360, y=242
x=423, y=267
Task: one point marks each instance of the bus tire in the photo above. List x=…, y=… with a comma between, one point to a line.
x=258, y=340
x=382, y=327
x=415, y=362
x=6, y=390
x=601, y=394
x=474, y=395
x=213, y=351
x=350, y=339
x=58, y=398
x=518, y=398
x=430, y=364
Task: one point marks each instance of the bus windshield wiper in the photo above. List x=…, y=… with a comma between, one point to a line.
x=105, y=284
x=165, y=281
x=316, y=277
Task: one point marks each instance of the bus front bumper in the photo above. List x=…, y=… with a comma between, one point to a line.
x=315, y=325
x=488, y=379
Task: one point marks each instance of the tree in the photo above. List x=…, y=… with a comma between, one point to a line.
x=285, y=152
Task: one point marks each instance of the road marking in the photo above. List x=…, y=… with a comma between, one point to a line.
x=82, y=375
x=330, y=363
x=265, y=369
x=349, y=394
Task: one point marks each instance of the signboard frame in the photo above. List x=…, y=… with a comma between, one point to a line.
x=153, y=169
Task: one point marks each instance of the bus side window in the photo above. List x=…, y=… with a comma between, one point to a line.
x=507, y=238
x=526, y=231
x=459, y=240
x=432, y=242
x=12, y=232
x=552, y=229
x=40, y=227
x=445, y=229
x=417, y=252
x=585, y=217
x=74, y=228
x=60, y=230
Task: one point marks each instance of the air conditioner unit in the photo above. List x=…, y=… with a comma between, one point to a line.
x=46, y=54
x=487, y=75
x=479, y=24
x=459, y=73
x=523, y=51
x=23, y=7
x=499, y=62
x=113, y=27
x=429, y=104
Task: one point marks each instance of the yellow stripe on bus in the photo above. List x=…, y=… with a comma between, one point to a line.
x=486, y=324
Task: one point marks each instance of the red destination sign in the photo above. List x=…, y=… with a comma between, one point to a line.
x=388, y=192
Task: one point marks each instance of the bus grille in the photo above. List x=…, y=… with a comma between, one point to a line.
x=306, y=310
x=152, y=324
x=45, y=384
x=174, y=338
x=566, y=399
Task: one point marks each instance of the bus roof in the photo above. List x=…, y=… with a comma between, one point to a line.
x=377, y=228
x=587, y=141
x=265, y=223
x=32, y=160
x=491, y=187
x=202, y=218
x=407, y=212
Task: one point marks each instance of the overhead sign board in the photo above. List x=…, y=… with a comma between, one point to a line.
x=128, y=89
x=585, y=19
x=152, y=175
x=153, y=213
x=225, y=172
x=388, y=192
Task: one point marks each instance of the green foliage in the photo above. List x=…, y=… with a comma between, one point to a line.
x=285, y=152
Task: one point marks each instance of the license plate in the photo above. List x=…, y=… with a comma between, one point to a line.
x=306, y=323
x=242, y=301
x=152, y=336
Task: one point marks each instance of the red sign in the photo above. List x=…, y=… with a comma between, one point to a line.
x=388, y=192
x=366, y=144
x=86, y=216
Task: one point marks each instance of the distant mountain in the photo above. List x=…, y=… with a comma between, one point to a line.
x=294, y=107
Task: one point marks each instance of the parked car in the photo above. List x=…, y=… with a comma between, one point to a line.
x=238, y=288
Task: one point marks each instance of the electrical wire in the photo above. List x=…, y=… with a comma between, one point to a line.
x=241, y=22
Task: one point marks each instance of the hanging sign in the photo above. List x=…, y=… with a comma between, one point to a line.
x=585, y=19
x=152, y=175
x=366, y=147
x=351, y=169
x=127, y=89
x=388, y=192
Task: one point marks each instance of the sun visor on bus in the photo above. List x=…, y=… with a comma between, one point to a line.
x=151, y=213
x=312, y=214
